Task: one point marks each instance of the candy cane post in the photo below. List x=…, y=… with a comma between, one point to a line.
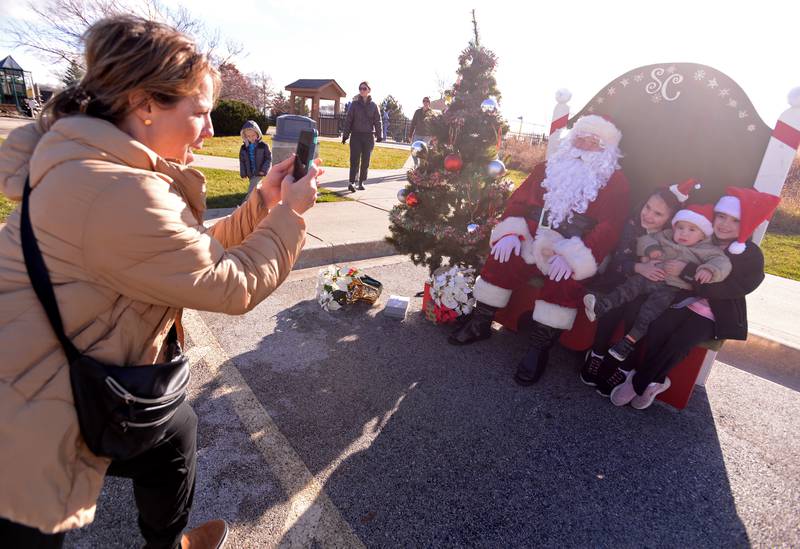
x=560, y=118
x=775, y=166
x=779, y=155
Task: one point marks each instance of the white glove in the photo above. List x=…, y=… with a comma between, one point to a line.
x=502, y=248
x=559, y=269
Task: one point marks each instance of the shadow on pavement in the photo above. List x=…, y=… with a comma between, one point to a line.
x=438, y=447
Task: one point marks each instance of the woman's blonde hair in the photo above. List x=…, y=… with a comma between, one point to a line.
x=126, y=54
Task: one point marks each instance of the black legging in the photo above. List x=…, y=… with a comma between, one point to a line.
x=163, y=486
x=669, y=339
x=361, y=145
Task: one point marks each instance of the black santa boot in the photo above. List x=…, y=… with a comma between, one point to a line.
x=477, y=326
x=532, y=365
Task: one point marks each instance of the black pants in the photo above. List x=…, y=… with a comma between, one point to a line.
x=659, y=298
x=669, y=340
x=606, y=325
x=163, y=485
x=361, y=145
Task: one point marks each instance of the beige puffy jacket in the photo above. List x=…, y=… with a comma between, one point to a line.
x=121, y=233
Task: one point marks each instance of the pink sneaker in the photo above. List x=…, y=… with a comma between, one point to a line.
x=650, y=394
x=624, y=393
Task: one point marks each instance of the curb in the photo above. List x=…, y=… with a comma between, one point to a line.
x=327, y=254
x=765, y=357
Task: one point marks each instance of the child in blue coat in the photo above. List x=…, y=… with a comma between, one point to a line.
x=255, y=157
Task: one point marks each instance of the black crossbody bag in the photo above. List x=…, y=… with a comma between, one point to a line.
x=122, y=411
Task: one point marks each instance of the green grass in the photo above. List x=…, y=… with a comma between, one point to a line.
x=782, y=255
x=332, y=153
x=516, y=176
x=225, y=189
x=6, y=206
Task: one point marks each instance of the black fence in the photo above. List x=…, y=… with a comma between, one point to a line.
x=397, y=128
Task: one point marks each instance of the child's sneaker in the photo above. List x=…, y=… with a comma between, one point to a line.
x=624, y=393
x=589, y=301
x=622, y=349
x=650, y=394
x=590, y=372
x=605, y=386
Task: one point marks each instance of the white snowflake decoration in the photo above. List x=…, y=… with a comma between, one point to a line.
x=751, y=128
x=639, y=77
x=655, y=98
x=713, y=83
x=699, y=74
x=611, y=91
x=624, y=82
x=601, y=100
x=724, y=92
x=733, y=104
x=743, y=114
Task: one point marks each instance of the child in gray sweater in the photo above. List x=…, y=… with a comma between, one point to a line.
x=689, y=240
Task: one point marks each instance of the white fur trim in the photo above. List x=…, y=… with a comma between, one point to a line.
x=737, y=247
x=729, y=205
x=678, y=194
x=580, y=258
x=554, y=315
x=702, y=222
x=488, y=293
x=543, y=248
x=511, y=225
x=599, y=126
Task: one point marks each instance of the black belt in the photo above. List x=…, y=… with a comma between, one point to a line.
x=578, y=226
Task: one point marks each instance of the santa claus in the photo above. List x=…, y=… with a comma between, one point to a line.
x=575, y=204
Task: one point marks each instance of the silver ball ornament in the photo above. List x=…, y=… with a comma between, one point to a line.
x=496, y=168
x=402, y=194
x=489, y=105
x=418, y=149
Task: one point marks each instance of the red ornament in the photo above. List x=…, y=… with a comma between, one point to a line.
x=412, y=199
x=452, y=163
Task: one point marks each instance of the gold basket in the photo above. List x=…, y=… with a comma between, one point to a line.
x=364, y=288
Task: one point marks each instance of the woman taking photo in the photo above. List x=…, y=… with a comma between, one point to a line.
x=117, y=216
x=710, y=311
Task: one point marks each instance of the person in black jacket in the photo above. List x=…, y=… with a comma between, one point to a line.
x=710, y=311
x=363, y=118
x=653, y=215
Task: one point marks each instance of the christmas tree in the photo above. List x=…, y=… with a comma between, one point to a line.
x=454, y=196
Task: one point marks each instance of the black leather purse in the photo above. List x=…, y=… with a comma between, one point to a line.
x=122, y=411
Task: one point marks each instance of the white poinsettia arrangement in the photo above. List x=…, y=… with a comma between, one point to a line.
x=452, y=289
x=340, y=285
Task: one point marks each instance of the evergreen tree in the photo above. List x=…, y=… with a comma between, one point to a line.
x=396, y=117
x=73, y=74
x=451, y=201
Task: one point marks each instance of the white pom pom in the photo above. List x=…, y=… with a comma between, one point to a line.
x=737, y=247
x=794, y=97
x=563, y=95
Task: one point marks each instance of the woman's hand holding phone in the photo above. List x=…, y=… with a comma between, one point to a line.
x=301, y=195
x=271, y=184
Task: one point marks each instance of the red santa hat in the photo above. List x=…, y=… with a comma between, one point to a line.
x=601, y=127
x=684, y=189
x=701, y=215
x=750, y=207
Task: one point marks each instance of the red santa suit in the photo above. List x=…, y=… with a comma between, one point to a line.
x=606, y=204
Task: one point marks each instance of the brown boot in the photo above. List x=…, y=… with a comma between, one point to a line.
x=209, y=535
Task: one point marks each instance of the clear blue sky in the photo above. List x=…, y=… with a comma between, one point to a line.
x=401, y=47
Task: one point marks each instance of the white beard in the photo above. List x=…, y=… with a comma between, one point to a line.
x=574, y=178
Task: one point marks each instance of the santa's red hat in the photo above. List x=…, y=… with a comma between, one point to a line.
x=750, y=207
x=601, y=127
x=684, y=189
x=701, y=215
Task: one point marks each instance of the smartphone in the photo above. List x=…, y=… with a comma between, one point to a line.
x=306, y=147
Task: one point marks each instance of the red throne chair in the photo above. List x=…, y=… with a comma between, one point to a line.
x=678, y=120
